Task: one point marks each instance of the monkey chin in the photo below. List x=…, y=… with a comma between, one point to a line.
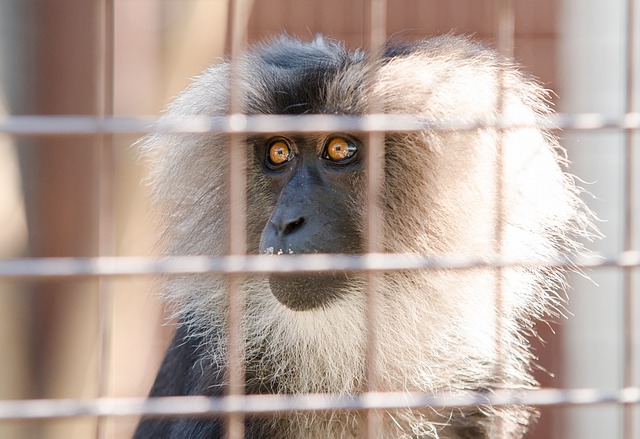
x=309, y=291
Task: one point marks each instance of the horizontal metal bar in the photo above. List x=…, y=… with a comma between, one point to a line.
x=272, y=404
x=256, y=264
x=237, y=123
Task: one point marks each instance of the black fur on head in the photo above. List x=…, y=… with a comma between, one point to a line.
x=292, y=75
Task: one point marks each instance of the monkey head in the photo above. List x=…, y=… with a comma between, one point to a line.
x=305, y=192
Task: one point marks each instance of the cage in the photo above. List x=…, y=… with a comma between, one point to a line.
x=81, y=330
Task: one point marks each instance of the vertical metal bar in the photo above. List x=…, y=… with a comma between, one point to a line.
x=505, y=35
x=375, y=220
x=238, y=18
x=629, y=299
x=106, y=211
x=505, y=43
x=506, y=31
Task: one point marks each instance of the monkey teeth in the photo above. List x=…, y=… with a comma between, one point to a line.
x=271, y=251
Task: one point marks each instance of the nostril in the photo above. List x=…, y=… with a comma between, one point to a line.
x=292, y=226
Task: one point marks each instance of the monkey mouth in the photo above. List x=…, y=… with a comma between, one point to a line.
x=309, y=291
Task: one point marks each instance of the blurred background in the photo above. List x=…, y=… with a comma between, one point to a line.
x=52, y=63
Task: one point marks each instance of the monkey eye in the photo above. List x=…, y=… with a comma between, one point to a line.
x=279, y=152
x=339, y=149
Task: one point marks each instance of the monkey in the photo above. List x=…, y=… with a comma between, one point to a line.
x=443, y=193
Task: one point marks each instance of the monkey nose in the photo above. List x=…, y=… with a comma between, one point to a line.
x=289, y=226
x=283, y=234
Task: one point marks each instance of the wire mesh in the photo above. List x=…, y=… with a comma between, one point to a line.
x=106, y=266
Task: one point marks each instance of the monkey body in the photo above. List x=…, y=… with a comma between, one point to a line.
x=441, y=195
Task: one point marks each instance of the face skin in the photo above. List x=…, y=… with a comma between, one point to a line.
x=315, y=182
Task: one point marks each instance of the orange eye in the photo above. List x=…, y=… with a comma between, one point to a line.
x=280, y=152
x=339, y=149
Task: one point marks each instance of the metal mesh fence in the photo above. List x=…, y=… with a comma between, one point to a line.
x=107, y=267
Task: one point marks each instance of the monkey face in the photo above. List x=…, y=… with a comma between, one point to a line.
x=314, y=181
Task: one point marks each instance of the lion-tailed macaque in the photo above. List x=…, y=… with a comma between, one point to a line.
x=306, y=193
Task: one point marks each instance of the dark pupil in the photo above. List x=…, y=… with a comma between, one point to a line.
x=280, y=151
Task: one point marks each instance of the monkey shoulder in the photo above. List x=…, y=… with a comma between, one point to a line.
x=178, y=376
